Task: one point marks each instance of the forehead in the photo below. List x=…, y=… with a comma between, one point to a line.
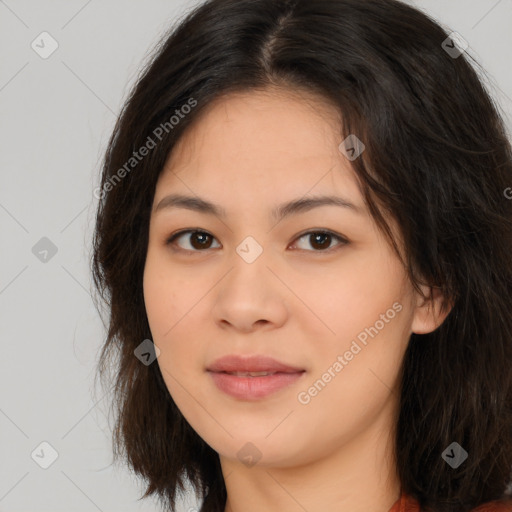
x=261, y=142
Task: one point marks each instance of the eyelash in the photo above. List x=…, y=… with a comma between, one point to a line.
x=343, y=241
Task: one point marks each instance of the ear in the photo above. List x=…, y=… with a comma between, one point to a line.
x=429, y=313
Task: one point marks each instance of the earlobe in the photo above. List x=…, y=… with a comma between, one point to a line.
x=429, y=313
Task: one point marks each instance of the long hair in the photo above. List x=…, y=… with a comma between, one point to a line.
x=437, y=160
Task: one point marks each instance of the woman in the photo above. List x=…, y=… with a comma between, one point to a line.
x=304, y=243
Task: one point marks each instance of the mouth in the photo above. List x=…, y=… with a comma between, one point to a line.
x=252, y=374
x=247, y=387
x=252, y=378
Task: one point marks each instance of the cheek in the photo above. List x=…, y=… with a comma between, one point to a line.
x=347, y=298
x=171, y=303
x=158, y=300
x=370, y=313
x=345, y=396
x=167, y=297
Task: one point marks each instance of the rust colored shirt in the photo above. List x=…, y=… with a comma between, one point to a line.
x=409, y=504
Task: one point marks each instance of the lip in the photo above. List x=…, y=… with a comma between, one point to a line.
x=254, y=363
x=252, y=388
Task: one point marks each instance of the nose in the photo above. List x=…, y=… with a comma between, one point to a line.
x=250, y=297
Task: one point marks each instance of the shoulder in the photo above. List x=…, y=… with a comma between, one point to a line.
x=409, y=504
x=494, y=506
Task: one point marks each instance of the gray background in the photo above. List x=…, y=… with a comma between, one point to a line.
x=57, y=114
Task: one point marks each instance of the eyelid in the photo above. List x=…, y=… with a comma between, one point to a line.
x=323, y=231
x=170, y=240
x=341, y=239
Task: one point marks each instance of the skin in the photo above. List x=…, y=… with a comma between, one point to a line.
x=296, y=302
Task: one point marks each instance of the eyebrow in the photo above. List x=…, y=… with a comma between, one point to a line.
x=301, y=205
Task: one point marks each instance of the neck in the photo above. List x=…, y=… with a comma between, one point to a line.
x=359, y=476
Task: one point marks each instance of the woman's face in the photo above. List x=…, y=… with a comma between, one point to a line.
x=259, y=279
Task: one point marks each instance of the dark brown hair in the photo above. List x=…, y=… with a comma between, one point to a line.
x=437, y=160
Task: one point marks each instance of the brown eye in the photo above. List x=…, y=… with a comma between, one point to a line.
x=200, y=240
x=197, y=240
x=321, y=241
